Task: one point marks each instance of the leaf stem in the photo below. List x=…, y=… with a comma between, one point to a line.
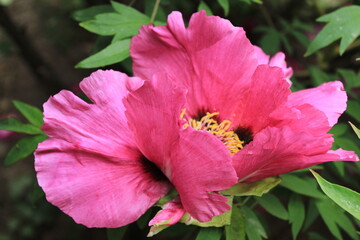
x=154, y=12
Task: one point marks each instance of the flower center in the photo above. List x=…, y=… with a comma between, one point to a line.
x=220, y=130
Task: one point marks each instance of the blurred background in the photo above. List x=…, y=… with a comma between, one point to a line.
x=41, y=42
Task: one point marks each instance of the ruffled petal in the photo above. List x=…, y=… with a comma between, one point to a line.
x=101, y=126
x=200, y=167
x=94, y=189
x=196, y=162
x=267, y=91
x=276, y=151
x=153, y=113
x=170, y=214
x=211, y=58
x=330, y=98
x=278, y=60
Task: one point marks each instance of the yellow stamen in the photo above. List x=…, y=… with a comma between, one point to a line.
x=220, y=130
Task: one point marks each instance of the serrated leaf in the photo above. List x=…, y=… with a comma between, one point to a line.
x=114, y=53
x=209, y=234
x=23, y=148
x=116, y=233
x=91, y=12
x=356, y=130
x=225, y=5
x=326, y=213
x=346, y=198
x=204, y=6
x=273, y=206
x=236, y=229
x=296, y=214
x=253, y=227
x=257, y=188
x=14, y=125
x=301, y=186
x=31, y=113
x=342, y=24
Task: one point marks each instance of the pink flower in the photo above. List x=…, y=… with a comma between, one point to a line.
x=201, y=114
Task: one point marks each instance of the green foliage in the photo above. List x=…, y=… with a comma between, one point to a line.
x=225, y=5
x=117, y=20
x=356, y=130
x=204, y=6
x=14, y=125
x=32, y=114
x=113, y=53
x=257, y=188
x=116, y=233
x=346, y=198
x=253, y=227
x=273, y=206
x=308, y=187
x=209, y=234
x=296, y=210
x=341, y=24
x=23, y=148
x=236, y=229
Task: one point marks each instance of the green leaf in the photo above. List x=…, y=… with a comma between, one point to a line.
x=253, y=227
x=116, y=233
x=311, y=214
x=217, y=221
x=342, y=24
x=14, y=125
x=236, y=229
x=115, y=52
x=318, y=76
x=129, y=12
x=143, y=221
x=204, y=6
x=296, y=214
x=108, y=24
x=90, y=13
x=346, y=198
x=32, y=114
x=23, y=148
x=301, y=186
x=209, y=234
x=257, y=188
x=356, y=130
x=36, y=193
x=271, y=40
x=225, y=5
x=168, y=197
x=353, y=109
x=327, y=214
x=339, y=129
x=273, y=205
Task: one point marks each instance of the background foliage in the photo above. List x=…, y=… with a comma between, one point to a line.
x=319, y=38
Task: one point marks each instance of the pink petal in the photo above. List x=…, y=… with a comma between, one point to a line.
x=329, y=98
x=101, y=126
x=200, y=167
x=153, y=113
x=276, y=151
x=170, y=214
x=94, y=189
x=211, y=58
x=196, y=162
x=268, y=90
x=278, y=60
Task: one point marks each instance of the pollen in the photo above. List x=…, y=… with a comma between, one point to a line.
x=221, y=130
